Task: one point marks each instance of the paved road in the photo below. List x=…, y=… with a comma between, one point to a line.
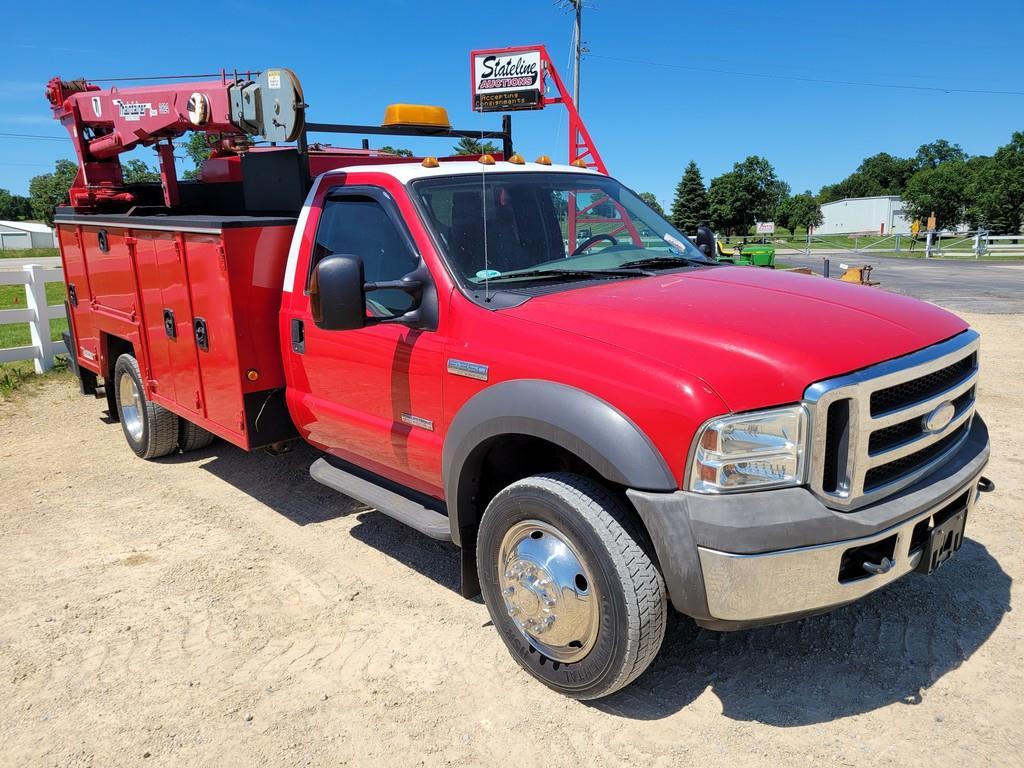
x=51, y=261
x=963, y=286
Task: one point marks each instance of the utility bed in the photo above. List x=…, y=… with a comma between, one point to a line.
x=197, y=297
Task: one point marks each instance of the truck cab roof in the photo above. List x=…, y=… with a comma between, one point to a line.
x=406, y=172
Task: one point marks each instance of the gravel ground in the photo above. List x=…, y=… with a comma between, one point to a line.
x=223, y=609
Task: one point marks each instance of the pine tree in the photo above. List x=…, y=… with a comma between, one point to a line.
x=690, y=206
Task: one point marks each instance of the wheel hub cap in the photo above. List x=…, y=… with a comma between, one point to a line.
x=548, y=591
x=131, y=406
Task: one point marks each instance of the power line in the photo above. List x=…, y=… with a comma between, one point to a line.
x=819, y=81
x=158, y=77
x=31, y=136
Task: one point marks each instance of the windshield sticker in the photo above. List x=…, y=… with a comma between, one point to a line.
x=488, y=274
x=674, y=241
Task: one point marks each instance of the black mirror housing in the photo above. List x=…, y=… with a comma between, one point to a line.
x=337, y=293
x=706, y=242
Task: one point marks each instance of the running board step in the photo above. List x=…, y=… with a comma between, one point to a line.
x=391, y=503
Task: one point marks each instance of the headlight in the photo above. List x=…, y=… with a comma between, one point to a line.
x=761, y=449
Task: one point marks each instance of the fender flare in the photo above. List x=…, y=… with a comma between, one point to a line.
x=587, y=426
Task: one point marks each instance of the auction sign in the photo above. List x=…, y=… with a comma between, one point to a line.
x=507, y=79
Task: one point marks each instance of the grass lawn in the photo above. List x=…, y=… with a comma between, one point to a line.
x=13, y=375
x=13, y=297
x=29, y=253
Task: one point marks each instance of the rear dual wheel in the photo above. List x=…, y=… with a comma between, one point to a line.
x=151, y=430
x=569, y=586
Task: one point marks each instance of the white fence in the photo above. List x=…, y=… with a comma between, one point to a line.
x=940, y=244
x=36, y=313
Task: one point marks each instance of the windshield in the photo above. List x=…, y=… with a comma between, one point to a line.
x=522, y=227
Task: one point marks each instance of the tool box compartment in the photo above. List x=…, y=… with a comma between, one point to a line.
x=197, y=298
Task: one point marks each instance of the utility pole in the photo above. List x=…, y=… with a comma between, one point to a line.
x=578, y=6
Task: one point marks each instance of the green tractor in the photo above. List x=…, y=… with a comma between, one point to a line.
x=746, y=254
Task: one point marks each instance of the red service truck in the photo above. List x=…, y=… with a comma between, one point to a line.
x=521, y=358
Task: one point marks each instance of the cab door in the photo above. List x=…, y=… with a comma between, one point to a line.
x=373, y=395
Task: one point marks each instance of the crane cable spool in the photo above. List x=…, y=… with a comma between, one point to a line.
x=270, y=106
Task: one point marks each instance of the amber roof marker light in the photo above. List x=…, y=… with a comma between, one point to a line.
x=418, y=115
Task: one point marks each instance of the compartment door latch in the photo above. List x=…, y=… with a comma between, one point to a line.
x=170, y=327
x=202, y=335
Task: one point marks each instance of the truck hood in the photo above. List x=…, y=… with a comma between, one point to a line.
x=757, y=337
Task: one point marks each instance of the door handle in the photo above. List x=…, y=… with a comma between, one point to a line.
x=170, y=328
x=202, y=334
x=298, y=330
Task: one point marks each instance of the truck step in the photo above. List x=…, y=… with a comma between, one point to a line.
x=376, y=493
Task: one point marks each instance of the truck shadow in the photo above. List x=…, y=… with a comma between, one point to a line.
x=283, y=484
x=888, y=648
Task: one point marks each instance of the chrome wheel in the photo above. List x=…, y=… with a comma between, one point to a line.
x=548, y=590
x=130, y=399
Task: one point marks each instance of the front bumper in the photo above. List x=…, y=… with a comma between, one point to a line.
x=741, y=560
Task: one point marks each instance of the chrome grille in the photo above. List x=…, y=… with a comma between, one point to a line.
x=868, y=437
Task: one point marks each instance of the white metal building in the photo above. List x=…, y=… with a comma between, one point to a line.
x=19, y=235
x=881, y=215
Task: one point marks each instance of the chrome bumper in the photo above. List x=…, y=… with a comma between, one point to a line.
x=805, y=580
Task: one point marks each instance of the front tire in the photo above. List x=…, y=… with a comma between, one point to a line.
x=150, y=429
x=573, y=594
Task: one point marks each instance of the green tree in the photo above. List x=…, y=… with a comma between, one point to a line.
x=750, y=192
x=49, y=190
x=799, y=212
x=690, y=205
x=938, y=152
x=197, y=147
x=881, y=174
x=995, y=188
x=399, y=151
x=652, y=202
x=470, y=146
x=941, y=190
x=136, y=172
x=14, y=207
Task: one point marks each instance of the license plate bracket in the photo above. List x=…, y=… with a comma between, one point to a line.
x=943, y=542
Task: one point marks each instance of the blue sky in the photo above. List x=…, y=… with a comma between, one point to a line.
x=647, y=120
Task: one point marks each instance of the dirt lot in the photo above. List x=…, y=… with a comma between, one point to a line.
x=223, y=609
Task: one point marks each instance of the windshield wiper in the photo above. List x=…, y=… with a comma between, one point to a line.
x=534, y=273
x=653, y=261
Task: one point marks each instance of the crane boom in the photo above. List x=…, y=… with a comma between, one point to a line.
x=105, y=123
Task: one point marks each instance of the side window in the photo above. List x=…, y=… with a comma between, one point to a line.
x=360, y=226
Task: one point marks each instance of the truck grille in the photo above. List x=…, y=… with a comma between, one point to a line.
x=869, y=437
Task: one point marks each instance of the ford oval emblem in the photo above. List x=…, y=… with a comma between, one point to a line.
x=939, y=419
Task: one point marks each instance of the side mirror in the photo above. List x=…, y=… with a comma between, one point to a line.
x=706, y=242
x=338, y=288
x=337, y=295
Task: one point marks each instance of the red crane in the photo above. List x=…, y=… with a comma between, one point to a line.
x=104, y=124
